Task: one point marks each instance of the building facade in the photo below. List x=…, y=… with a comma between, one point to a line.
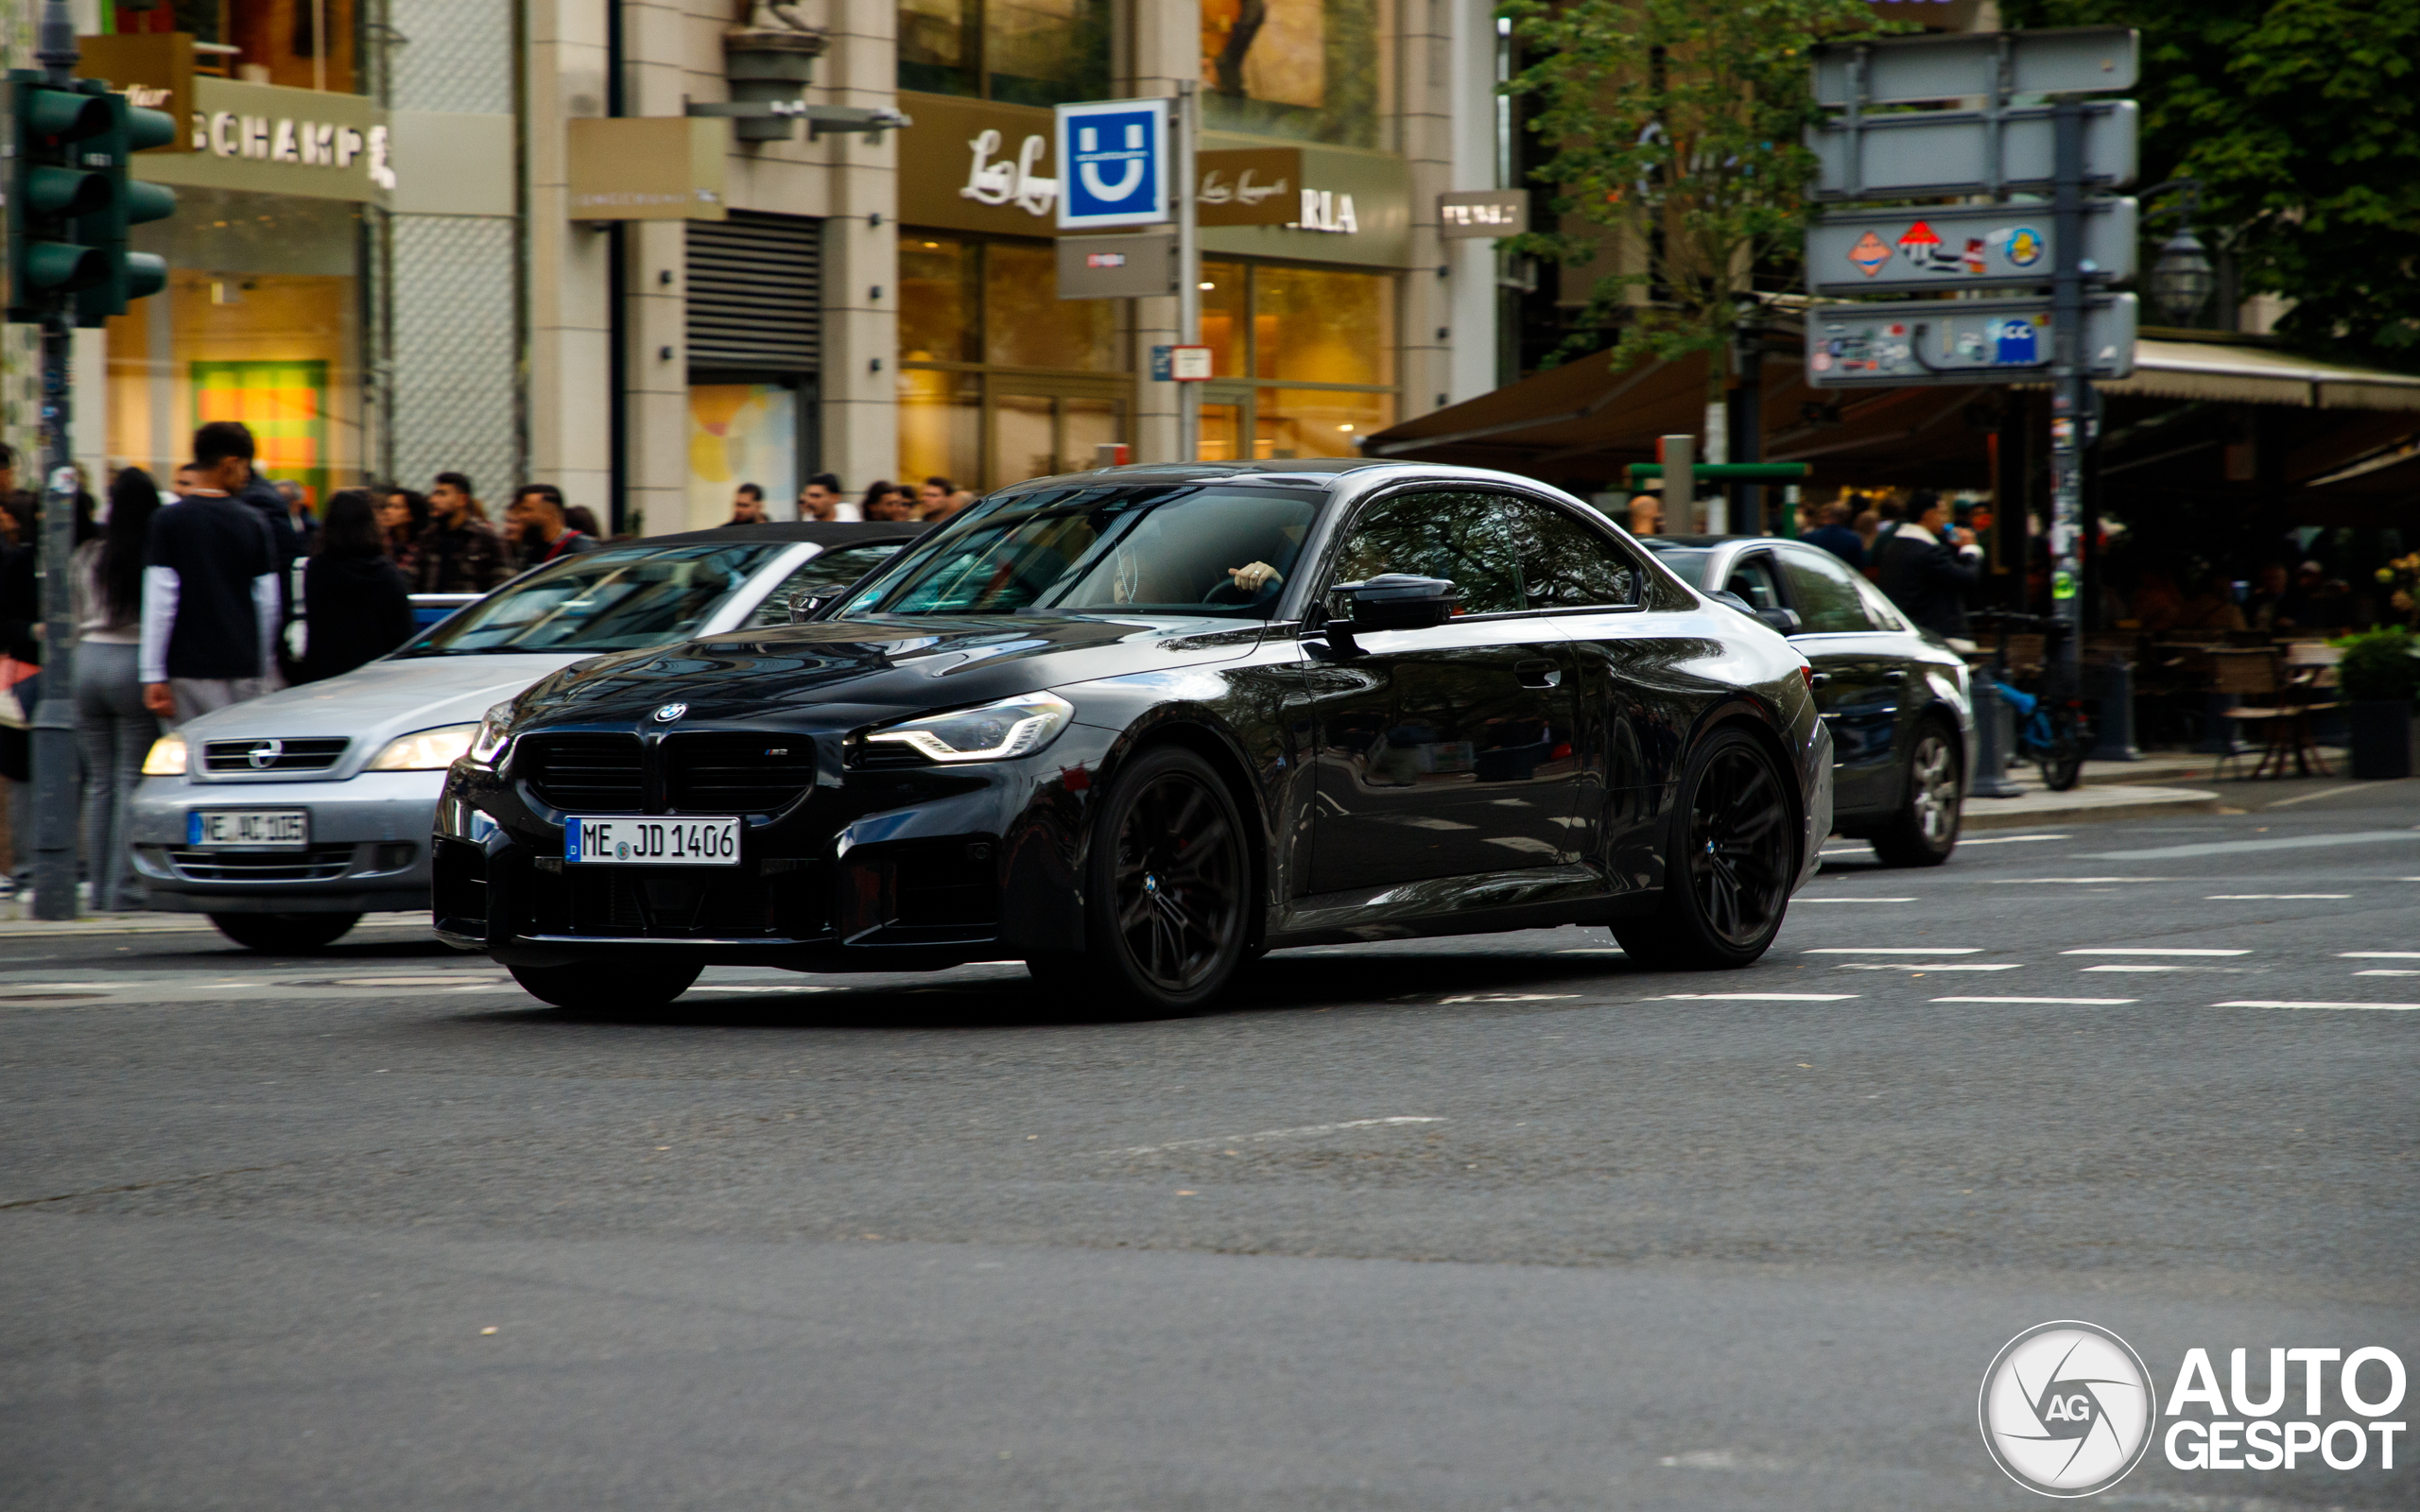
x=403, y=247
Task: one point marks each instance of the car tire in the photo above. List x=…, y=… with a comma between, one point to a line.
x=1924, y=830
x=1167, y=884
x=616, y=985
x=1734, y=856
x=284, y=933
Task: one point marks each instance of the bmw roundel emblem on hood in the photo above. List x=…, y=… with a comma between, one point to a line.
x=670, y=711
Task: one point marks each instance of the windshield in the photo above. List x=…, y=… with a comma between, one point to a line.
x=1687, y=562
x=1183, y=549
x=619, y=599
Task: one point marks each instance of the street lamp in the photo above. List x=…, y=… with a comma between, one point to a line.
x=2182, y=279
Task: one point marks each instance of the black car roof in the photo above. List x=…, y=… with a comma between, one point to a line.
x=822, y=532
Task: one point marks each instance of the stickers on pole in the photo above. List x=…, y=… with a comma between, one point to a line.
x=1961, y=246
x=1980, y=341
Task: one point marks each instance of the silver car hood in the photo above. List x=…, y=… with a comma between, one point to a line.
x=374, y=704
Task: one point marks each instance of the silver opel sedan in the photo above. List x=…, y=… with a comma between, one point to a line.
x=288, y=818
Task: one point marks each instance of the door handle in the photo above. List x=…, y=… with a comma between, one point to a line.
x=1538, y=674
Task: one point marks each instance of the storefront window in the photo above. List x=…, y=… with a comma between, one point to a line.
x=1315, y=70
x=1030, y=52
x=261, y=322
x=1000, y=378
x=1303, y=360
x=298, y=43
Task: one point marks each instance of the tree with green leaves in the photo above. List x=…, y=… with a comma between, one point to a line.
x=1677, y=126
x=2301, y=118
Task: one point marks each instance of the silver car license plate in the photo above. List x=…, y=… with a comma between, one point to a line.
x=628, y=842
x=249, y=828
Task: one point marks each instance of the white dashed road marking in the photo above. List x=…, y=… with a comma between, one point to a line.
x=2267, y=897
x=2377, y=955
x=1304, y=1132
x=1754, y=997
x=1926, y=966
x=2281, y=1003
x=2009, y=839
x=1893, y=950
x=1796, y=901
x=2082, y=1003
x=2148, y=966
x=2291, y=842
x=2076, y=882
x=2146, y=950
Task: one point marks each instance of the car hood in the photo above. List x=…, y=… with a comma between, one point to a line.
x=850, y=670
x=375, y=703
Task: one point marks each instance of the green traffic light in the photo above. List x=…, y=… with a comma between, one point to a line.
x=54, y=112
x=56, y=268
x=66, y=191
x=148, y=128
x=145, y=274
x=148, y=202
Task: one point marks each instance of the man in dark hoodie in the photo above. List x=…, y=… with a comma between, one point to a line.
x=232, y=438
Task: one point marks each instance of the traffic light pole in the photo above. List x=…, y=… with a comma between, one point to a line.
x=54, y=752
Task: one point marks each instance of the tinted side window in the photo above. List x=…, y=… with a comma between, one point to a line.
x=1458, y=537
x=1752, y=578
x=1564, y=563
x=1825, y=592
x=826, y=573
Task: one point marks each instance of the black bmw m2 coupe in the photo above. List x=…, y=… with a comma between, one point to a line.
x=1136, y=725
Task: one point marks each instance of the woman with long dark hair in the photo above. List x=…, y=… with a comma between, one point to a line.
x=355, y=606
x=402, y=516
x=112, y=724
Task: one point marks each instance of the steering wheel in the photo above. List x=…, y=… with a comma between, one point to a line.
x=1228, y=592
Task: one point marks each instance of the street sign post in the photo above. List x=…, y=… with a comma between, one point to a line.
x=2067, y=148
x=1932, y=248
x=1954, y=341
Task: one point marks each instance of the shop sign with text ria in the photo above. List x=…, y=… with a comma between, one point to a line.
x=1019, y=176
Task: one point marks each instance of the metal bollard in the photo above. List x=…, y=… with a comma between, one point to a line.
x=2115, y=724
x=1995, y=738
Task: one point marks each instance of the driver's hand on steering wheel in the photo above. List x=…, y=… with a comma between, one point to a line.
x=1253, y=576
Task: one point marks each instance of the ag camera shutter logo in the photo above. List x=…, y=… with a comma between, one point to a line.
x=1113, y=164
x=2067, y=1409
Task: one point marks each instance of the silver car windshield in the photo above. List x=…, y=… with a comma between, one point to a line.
x=619, y=599
x=1167, y=550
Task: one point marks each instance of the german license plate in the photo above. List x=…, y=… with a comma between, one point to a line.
x=249, y=828
x=627, y=842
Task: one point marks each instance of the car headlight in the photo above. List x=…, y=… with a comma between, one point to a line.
x=995, y=732
x=425, y=751
x=167, y=757
x=495, y=733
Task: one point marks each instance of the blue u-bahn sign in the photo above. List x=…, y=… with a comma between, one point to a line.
x=1113, y=164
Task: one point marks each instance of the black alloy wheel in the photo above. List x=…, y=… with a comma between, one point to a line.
x=1931, y=804
x=616, y=986
x=1167, y=886
x=1727, y=886
x=284, y=933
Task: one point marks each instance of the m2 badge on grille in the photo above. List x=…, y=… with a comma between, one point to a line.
x=626, y=841
x=249, y=828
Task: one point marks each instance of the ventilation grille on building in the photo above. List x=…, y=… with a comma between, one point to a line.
x=755, y=293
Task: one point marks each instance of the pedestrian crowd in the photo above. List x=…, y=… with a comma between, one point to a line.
x=224, y=588
x=822, y=498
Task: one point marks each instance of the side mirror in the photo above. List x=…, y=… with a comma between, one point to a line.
x=1784, y=620
x=807, y=606
x=1391, y=601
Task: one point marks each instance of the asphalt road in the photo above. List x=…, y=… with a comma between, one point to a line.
x=1490, y=1223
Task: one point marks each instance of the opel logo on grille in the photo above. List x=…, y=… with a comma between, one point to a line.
x=264, y=754
x=670, y=711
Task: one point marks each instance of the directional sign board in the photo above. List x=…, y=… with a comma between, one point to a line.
x=1949, y=152
x=1113, y=164
x=1965, y=247
x=1959, y=341
x=2072, y=60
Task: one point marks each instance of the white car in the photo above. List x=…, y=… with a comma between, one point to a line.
x=288, y=818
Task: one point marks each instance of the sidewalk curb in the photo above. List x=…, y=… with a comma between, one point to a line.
x=2085, y=806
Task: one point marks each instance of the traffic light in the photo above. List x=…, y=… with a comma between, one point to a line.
x=71, y=198
x=131, y=274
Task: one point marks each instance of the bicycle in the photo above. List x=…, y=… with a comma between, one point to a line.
x=2053, y=732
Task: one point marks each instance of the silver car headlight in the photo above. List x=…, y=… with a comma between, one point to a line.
x=992, y=733
x=425, y=750
x=167, y=757
x=495, y=733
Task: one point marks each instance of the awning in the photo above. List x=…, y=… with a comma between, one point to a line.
x=2254, y=375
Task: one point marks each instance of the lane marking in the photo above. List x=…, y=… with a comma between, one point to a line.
x=2082, y=1003
x=2377, y=955
x=2071, y=882
x=1856, y=900
x=2238, y=971
x=2010, y=839
x=2267, y=897
x=2146, y=950
x=2380, y=971
x=1755, y=996
x=1509, y=997
x=2304, y=797
x=1926, y=966
x=2281, y=1003
x=1891, y=949
x=1304, y=1132
x=2291, y=842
